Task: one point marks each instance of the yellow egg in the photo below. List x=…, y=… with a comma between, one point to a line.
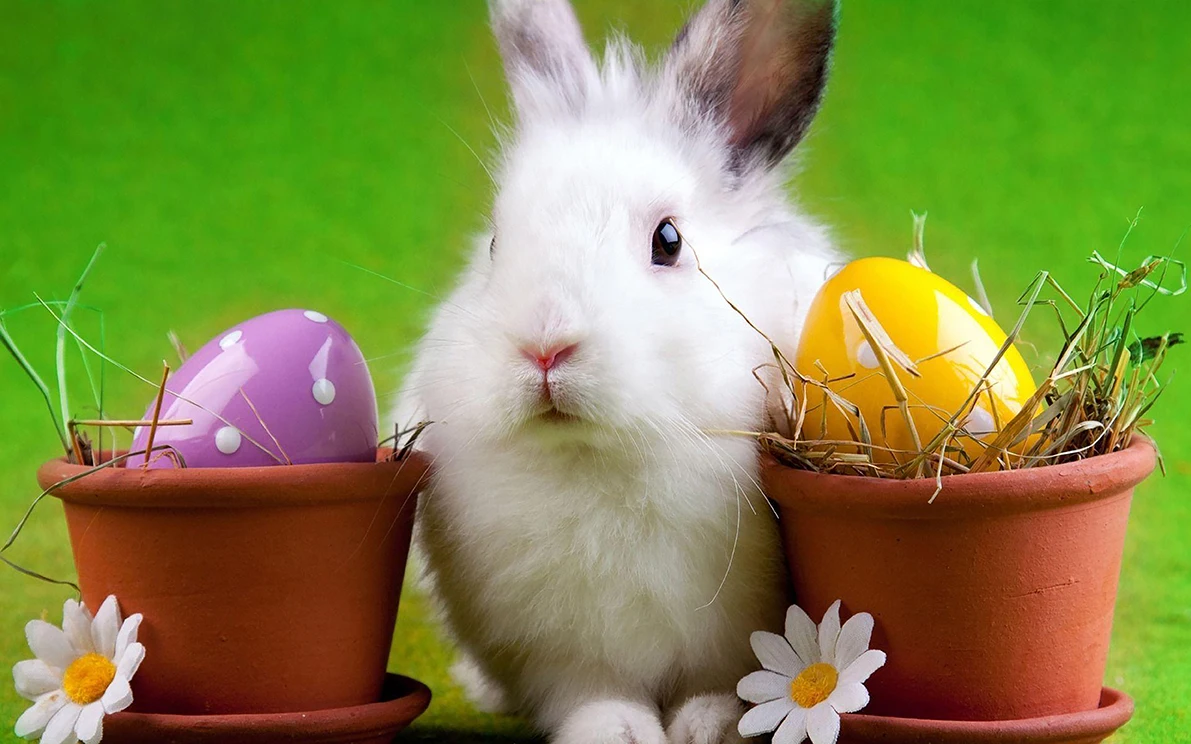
x=923, y=315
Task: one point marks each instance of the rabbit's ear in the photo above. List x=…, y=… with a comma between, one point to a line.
x=546, y=59
x=758, y=67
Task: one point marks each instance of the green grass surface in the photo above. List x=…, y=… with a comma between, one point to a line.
x=234, y=155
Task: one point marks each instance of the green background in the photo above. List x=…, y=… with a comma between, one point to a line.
x=233, y=155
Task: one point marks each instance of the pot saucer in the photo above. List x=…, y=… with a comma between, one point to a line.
x=1085, y=727
x=403, y=699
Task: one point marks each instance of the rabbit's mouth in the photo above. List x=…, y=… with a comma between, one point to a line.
x=554, y=416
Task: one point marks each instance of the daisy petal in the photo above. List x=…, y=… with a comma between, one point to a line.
x=793, y=729
x=765, y=717
x=800, y=632
x=60, y=729
x=34, y=720
x=34, y=678
x=775, y=653
x=89, y=729
x=861, y=669
x=829, y=634
x=761, y=687
x=848, y=698
x=822, y=724
x=127, y=635
x=76, y=623
x=118, y=695
x=106, y=627
x=130, y=661
x=49, y=644
x=854, y=638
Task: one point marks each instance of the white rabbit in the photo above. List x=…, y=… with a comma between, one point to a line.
x=596, y=540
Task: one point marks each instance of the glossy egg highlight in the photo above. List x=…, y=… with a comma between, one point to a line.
x=924, y=315
x=290, y=385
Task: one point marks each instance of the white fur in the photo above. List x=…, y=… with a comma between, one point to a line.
x=707, y=719
x=604, y=577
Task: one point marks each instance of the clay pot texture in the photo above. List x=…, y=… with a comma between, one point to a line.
x=995, y=602
x=263, y=589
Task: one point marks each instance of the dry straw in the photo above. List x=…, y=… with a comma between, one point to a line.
x=1096, y=397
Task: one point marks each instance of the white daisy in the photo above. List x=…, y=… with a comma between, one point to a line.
x=809, y=677
x=81, y=673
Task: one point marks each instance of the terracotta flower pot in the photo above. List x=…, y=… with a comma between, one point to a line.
x=995, y=602
x=264, y=589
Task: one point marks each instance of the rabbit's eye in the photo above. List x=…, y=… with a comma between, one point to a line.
x=667, y=242
x=492, y=247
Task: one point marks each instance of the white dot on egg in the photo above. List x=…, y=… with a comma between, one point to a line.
x=977, y=307
x=324, y=391
x=866, y=357
x=980, y=422
x=230, y=340
x=316, y=316
x=227, y=440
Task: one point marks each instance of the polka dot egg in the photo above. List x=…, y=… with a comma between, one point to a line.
x=924, y=316
x=290, y=385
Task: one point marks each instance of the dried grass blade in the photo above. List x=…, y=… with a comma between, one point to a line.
x=887, y=353
x=265, y=426
x=129, y=423
x=156, y=411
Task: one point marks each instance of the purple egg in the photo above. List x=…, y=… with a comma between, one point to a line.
x=301, y=372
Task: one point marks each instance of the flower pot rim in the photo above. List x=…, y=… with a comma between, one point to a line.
x=1114, y=711
x=403, y=700
x=989, y=493
x=209, y=488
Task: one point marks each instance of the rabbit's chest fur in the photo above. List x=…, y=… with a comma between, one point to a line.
x=627, y=568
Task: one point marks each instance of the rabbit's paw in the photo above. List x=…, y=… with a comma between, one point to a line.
x=611, y=722
x=706, y=719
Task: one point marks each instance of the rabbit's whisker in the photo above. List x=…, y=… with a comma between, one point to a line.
x=410, y=287
x=470, y=149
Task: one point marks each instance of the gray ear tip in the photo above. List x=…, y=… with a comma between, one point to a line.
x=541, y=41
x=509, y=14
x=502, y=12
x=768, y=96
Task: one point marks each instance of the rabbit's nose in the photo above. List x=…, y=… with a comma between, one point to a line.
x=549, y=358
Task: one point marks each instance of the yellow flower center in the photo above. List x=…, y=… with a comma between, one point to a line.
x=88, y=678
x=814, y=685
